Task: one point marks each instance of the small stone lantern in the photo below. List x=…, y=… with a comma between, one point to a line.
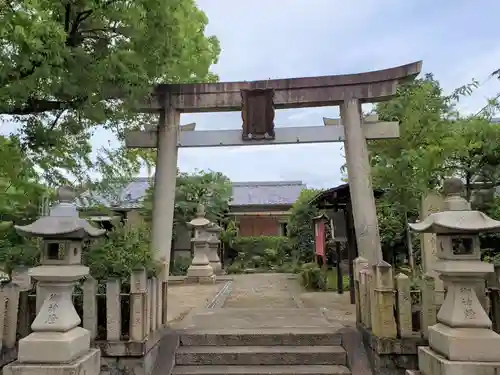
x=213, y=248
x=463, y=330
x=57, y=342
x=200, y=269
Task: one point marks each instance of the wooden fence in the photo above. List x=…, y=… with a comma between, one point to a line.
x=112, y=312
x=387, y=305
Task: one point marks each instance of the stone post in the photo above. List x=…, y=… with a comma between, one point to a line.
x=360, y=263
x=138, y=286
x=200, y=269
x=384, y=324
x=360, y=183
x=431, y=202
x=427, y=305
x=213, y=248
x=364, y=286
x=57, y=344
x=90, y=306
x=113, y=310
x=405, y=326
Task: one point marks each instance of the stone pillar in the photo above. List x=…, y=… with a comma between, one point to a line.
x=213, y=249
x=164, y=189
x=360, y=264
x=431, y=202
x=383, y=321
x=360, y=183
x=405, y=328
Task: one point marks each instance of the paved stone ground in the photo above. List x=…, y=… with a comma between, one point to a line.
x=272, y=301
x=183, y=299
x=263, y=291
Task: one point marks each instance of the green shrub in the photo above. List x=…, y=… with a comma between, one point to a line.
x=300, y=226
x=312, y=277
x=116, y=255
x=264, y=253
x=289, y=267
x=123, y=250
x=180, y=265
x=235, y=267
x=16, y=250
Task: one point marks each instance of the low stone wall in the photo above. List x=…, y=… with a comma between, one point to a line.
x=153, y=356
x=140, y=358
x=391, y=356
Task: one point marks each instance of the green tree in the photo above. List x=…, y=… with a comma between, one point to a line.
x=71, y=66
x=474, y=153
x=410, y=165
x=212, y=189
x=20, y=190
x=435, y=142
x=300, y=226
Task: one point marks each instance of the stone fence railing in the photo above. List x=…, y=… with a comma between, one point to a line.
x=387, y=305
x=394, y=319
x=124, y=320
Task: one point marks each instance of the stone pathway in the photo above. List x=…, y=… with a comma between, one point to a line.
x=275, y=301
x=262, y=291
x=183, y=299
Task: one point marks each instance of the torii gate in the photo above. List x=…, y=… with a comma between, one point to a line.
x=257, y=101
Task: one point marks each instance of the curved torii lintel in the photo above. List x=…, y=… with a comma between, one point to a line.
x=302, y=92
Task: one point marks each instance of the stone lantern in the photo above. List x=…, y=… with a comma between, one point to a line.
x=200, y=269
x=213, y=248
x=462, y=341
x=57, y=343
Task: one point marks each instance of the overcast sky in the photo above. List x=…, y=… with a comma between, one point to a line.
x=261, y=39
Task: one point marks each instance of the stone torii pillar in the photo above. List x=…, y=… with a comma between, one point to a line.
x=164, y=187
x=359, y=175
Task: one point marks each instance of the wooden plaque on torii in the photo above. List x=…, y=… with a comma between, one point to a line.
x=257, y=113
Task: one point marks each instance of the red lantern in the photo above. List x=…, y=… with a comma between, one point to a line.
x=320, y=238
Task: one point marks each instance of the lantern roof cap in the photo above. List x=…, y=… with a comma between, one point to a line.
x=457, y=216
x=213, y=227
x=63, y=220
x=448, y=222
x=200, y=220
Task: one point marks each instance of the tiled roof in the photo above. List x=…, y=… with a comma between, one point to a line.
x=130, y=197
x=266, y=193
x=244, y=194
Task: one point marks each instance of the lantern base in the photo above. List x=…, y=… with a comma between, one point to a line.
x=89, y=363
x=202, y=271
x=432, y=363
x=216, y=266
x=54, y=347
x=200, y=279
x=465, y=344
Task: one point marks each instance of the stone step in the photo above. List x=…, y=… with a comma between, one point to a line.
x=269, y=337
x=263, y=370
x=260, y=355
